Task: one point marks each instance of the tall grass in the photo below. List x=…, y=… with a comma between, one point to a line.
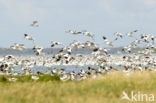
x=105, y=89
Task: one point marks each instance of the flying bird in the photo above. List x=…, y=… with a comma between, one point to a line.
x=130, y=34
x=17, y=46
x=34, y=24
x=54, y=43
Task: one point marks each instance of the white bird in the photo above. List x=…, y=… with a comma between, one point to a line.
x=118, y=34
x=17, y=46
x=110, y=43
x=12, y=79
x=64, y=76
x=33, y=77
x=69, y=50
x=89, y=34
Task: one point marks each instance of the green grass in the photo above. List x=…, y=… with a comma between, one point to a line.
x=27, y=78
x=107, y=89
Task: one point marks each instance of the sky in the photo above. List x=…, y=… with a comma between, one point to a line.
x=101, y=17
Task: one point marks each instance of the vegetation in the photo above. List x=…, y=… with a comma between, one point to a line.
x=106, y=89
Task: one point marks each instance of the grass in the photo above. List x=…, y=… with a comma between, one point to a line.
x=27, y=78
x=107, y=89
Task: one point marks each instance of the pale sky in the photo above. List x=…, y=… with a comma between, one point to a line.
x=101, y=17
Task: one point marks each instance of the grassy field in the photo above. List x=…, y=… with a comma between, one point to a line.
x=107, y=89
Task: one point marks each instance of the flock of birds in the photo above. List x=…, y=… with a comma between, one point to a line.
x=139, y=55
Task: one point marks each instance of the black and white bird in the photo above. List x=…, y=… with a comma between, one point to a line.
x=37, y=50
x=88, y=34
x=29, y=37
x=109, y=43
x=54, y=43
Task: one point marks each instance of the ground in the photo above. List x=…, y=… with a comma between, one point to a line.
x=105, y=89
